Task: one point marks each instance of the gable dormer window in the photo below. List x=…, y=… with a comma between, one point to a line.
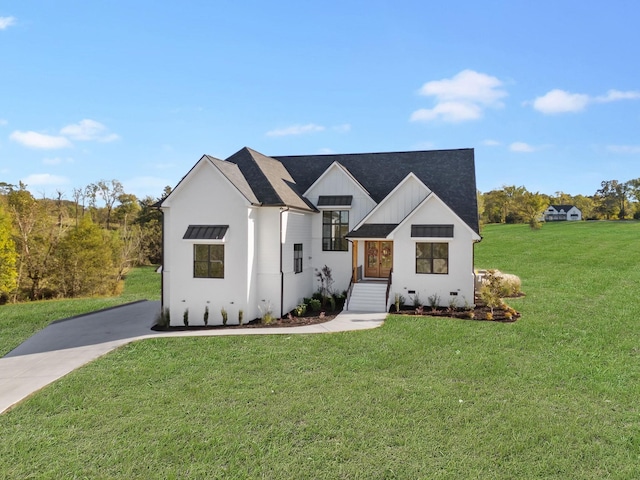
x=335, y=226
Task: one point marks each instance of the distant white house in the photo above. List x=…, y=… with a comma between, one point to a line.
x=557, y=213
x=251, y=231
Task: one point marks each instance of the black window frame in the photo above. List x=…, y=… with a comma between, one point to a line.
x=427, y=255
x=297, y=257
x=206, y=259
x=335, y=227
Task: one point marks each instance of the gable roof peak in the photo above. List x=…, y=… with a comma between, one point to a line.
x=271, y=182
x=449, y=173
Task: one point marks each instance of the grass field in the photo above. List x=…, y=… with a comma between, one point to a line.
x=553, y=395
x=18, y=322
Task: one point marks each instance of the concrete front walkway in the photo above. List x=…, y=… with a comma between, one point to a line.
x=66, y=345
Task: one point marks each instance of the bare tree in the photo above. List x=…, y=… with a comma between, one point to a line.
x=109, y=191
x=78, y=195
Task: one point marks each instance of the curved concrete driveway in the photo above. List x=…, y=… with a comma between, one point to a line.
x=65, y=345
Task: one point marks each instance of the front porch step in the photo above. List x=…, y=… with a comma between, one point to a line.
x=368, y=297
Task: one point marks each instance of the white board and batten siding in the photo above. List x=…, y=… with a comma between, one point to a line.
x=268, y=262
x=337, y=181
x=296, y=230
x=199, y=204
x=400, y=202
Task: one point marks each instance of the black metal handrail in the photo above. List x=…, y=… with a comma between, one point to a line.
x=346, y=302
x=386, y=299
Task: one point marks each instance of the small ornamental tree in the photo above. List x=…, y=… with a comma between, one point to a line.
x=491, y=290
x=325, y=277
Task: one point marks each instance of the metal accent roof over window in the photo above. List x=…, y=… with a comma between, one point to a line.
x=439, y=231
x=205, y=232
x=335, y=200
x=373, y=230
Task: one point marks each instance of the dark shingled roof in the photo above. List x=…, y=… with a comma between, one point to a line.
x=373, y=230
x=282, y=181
x=234, y=175
x=206, y=232
x=450, y=174
x=269, y=180
x=566, y=208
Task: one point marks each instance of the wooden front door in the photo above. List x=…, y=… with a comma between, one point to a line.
x=378, y=258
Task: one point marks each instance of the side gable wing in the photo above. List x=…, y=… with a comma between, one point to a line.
x=228, y=172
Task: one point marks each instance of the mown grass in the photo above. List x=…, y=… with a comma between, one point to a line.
x=19, y=321
x=553, y=395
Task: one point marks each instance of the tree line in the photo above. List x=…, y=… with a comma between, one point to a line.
x=511, y=204
x=83, y=246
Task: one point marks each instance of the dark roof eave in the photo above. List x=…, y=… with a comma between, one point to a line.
x=373, y=230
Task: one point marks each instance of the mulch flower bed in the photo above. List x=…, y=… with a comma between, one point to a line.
x=293, y=321
x=310, y=319
x=480, y=312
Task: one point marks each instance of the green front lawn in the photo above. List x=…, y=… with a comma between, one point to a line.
x=553, y=395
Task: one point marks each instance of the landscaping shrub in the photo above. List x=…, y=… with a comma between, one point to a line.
x=266, y=313
x=300, y=310
x=434, y=301
x=340, y=298
x=506, y=284
x=399, y=301
x=315, y=305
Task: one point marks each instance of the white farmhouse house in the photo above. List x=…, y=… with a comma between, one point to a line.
x=251, y=231
x=557, y=213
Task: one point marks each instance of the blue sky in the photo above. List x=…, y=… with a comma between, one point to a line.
x=547, y=92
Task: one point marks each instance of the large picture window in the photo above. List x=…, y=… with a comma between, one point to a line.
x=432, y=258
x=335, y=226
x=208, y=261
x=297, y=257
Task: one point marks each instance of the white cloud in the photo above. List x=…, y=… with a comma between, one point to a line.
x=521, y=147
x=615, y=95
x=633, y=149
x=39, y=140
x=467, y=85
x=6, y=22
x=296, y=130
x=491, y=143
x=45, y=179
x=325, y=151
x=3, y=122
x=449, y=112
x=561, y=101
x=88, y=130
x=460, y=98
x=56, y=160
